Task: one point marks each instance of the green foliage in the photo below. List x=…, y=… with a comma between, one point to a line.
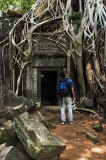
x=76, y=18
x=26, y=5
x=21, y=5
x=4, y=5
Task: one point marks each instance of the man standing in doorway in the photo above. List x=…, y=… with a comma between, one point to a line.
x=66, y=93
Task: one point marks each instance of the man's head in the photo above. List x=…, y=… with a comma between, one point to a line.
x=63, y=74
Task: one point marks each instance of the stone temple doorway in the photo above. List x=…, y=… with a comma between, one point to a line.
x=49, y=83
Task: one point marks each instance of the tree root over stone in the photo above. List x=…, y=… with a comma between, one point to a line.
x=89, y=110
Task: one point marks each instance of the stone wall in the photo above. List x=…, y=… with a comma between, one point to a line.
x=45, y=54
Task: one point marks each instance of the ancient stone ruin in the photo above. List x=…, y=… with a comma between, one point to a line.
x=30, y=129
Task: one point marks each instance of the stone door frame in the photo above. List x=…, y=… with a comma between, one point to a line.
x=57, y=69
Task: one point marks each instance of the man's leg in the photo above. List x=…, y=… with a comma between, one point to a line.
x=62, y=104
x=69, y=107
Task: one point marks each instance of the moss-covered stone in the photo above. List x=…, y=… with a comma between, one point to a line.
x=10, y=153
x=36, y=139
x=92, y=137
x=98, y=127
x=7, y=135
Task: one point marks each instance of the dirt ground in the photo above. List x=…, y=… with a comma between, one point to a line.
x=78, y=147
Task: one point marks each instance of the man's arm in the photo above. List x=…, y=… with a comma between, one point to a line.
x=73, y=93
x=72, y=88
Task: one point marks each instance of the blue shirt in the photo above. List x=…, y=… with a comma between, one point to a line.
x=71, y=85
x=69, y=82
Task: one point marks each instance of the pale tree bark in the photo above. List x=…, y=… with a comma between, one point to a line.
x=44, y=12
x=77, y=42
x=3, y=62
x=20, y=76
x=105, y=49
x=80, y=6
x=95, y=13
x=20, y=58
x=69, y=54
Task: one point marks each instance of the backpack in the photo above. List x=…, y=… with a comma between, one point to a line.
x=63, y=88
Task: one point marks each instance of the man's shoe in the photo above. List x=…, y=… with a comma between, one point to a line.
x=71, y=122
x=62, y=122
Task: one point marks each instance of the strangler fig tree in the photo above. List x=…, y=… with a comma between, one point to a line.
x=81, y=25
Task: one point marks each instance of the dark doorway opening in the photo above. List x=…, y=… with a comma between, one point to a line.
x=49, y=88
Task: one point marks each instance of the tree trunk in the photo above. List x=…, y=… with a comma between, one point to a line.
x=80, y=72
x=69, y=54
x=78, y=51
x=10, y=61
x=3, y=65
x=18, y=82
x=105, y=48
